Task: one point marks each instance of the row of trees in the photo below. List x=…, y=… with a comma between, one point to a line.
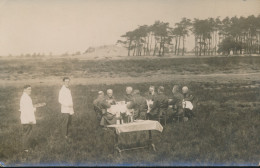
x=212, y=36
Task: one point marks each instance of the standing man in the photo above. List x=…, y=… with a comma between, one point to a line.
x=65, y=99
x=27, y=115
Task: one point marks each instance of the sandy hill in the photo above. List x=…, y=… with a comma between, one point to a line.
x=105, y=51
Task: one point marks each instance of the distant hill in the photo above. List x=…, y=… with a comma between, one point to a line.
x=105, y=51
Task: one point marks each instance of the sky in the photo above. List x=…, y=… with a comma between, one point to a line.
x=60, y=26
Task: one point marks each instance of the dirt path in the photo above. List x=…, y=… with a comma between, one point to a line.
x=220, y=78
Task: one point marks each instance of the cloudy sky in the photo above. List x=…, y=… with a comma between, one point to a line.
x=59, y=26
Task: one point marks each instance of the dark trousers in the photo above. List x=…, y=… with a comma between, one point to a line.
x=188, y=113
x=27, y=131
x=67, y=120
x=152, y=116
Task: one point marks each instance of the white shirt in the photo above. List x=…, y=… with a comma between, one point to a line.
x=187, y=104
x=27, y=110
x=65, y=99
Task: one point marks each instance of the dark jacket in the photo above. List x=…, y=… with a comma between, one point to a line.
x=176, y=102
x=149, y=96
x=128, y=97
x=112, y=100
x=160, y=104
x=100, y=105
x=139, y=106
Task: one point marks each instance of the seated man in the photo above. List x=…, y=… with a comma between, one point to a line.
x=128, y=96
x=176, y=103
x=187, y=96
x=160, y=105
x=100, y=107
x=139, y=105
x=151, y=93
x=110, y=98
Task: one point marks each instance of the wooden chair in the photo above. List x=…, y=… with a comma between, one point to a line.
x=163, y=117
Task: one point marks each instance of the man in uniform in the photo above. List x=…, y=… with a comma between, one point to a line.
x=139, y=105
x=189, y=97
x=160, y=104
x=100, y=106
x=110, y=98
x=151, y=93
x=128, y=96
x=176, y=103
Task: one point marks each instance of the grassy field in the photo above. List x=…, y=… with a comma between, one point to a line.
x=224, y=132
x=47, y=68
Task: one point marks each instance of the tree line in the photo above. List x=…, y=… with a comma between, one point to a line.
x=212, y=36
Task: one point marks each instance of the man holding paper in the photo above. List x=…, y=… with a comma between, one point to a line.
x=27, y=115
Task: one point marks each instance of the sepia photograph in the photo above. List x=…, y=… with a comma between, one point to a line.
x=129, y=83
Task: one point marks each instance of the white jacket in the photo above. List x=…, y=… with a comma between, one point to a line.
x=65, y=99
x=27, y=110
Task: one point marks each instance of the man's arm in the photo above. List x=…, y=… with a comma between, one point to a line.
x=189, y=97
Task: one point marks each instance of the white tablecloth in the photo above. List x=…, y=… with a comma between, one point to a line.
x=119, y=108
x=138, y=125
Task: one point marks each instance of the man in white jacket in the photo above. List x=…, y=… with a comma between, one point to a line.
x=27, y=115
x=65, y=99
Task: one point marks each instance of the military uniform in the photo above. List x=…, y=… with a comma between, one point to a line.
x=150, y=96
x=111, y=100
x=176, y=104
x=100, y=107
x=140, y=107
x=128, y=97
x=160, y=106
x=189, y=97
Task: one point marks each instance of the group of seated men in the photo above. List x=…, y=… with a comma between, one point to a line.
x=162, y=104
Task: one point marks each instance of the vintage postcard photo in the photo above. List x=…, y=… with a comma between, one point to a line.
x=129, y=83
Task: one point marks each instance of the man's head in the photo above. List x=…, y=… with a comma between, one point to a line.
x=161, y=89
x=175, y=89
x=185, y=89
x=136, y=92
x=151, y=89
x=101, y=94
x=27, y=89
x=66, y=81
x=109, y=92
x=129, y=90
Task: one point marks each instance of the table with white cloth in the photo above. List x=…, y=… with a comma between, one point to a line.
x=137, y=125
x=120, y=108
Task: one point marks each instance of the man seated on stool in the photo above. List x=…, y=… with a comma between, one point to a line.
x=188, y=97
x=139, y=105
x=176, y=103
x=100, y=107
x=110, y=98
x=160, y=105
x=128, y=96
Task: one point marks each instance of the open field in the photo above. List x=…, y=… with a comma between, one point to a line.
x=224, y=132
x=20, y=69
